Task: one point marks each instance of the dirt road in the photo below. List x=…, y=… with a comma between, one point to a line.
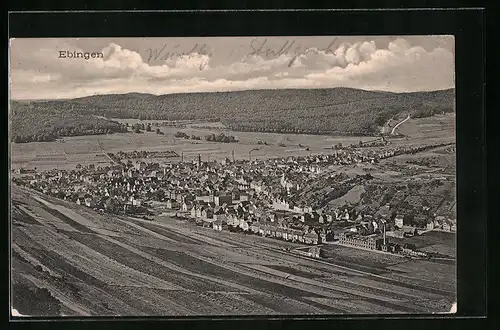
x=399, y=124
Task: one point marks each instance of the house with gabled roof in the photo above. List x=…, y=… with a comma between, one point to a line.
x=285, y=232
x=222, y=217
x=398, y=221
x=255, y=227
x=207, y=223
x=199, y=210
x=245, y=222
x=186, y=206
x=232, y=220
x=431, y=224
x=294, y=234
x=207, y=213
x=271, y=230
x=306, y=217
x=301, y=237
x=172, y=204
x=315, y=216
x=89, y=202
x=446, y=226
x=219, y=225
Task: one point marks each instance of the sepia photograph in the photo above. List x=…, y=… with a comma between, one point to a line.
x=232, y=176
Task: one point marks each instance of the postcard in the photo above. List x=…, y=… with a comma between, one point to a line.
x=210, y=176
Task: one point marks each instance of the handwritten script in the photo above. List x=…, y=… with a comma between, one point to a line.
x=257, y=47
x=261, y=48
x=164, y=54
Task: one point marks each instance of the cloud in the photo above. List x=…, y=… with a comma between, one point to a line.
x=397, y=67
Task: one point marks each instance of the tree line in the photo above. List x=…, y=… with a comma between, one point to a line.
x=338, y=111
x=221, y=138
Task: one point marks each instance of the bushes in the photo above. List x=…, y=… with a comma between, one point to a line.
x=181, y=135
x=221, y=138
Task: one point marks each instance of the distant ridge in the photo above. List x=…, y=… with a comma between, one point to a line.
x=138, y=94
x=335, y=111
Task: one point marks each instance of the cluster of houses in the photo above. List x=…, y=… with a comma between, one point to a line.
x=436, y=222
x=248, y=217
x=442, y=223
x=133, y=187
x=249, y=196
x=304, y=235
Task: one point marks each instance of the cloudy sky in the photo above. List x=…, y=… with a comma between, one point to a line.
x=176, y=65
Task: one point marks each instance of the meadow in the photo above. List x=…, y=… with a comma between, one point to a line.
x=70, y=151
x=67, y=152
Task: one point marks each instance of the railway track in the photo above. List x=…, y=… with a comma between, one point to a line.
x=270, y=251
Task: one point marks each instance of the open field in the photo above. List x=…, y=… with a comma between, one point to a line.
x=432, y=241
x=70, y=151
x=90, y=149
x=364, y=259
x=98, y=265
x=429, y=127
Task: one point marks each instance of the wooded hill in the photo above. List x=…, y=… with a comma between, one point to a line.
x=36, y=122
x=336, y=111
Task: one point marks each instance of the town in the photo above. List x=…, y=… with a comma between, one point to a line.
x=261, y=197
x=252, y=187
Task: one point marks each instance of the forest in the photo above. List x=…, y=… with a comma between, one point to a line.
x=336, y=111
x=35, y=123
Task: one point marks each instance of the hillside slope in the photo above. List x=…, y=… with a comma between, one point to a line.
x=311, y=111
x=32, y=122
